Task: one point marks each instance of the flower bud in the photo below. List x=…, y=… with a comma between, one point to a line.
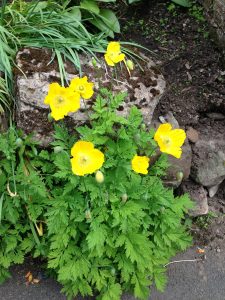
x=88, y=214
x=145, y=196
x=94, y=62
x=50, y=118
x=19, y=142
x=99, y=177
x=143, y=126
x=58, y=149
x=113, y=271
x=130, y=64
x=124, y=197
x=180, y=176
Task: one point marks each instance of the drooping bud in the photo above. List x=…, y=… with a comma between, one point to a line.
x=19, y=142
x=94, y=62
x=143, y=126
x=124, y=197
x=58, y=149
x=180, y=176
x=88, y=214
x=113, y=271
x=50, y=118
x=99, y=177
x=130, y=64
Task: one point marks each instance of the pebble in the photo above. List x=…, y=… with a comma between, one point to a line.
x=216, y=116
x=192, y=135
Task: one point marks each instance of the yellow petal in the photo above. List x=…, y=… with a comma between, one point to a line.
x=81, y=146
x=119, y=58
x=109, y=61
x=162, y=130
x=178, y=137
x=113, y=47
x=140, y=164
x=175, y=151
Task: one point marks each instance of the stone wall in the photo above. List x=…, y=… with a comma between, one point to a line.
x=215, y=10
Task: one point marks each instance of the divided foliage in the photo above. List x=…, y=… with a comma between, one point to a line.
x=98, y=238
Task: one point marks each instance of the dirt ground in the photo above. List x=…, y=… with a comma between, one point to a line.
x=194, y=69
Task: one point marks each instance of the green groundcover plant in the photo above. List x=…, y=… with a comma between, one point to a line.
x=98, y=237
x=93, y=205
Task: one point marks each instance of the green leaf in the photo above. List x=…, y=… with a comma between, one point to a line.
x=102, y=26
x=184, y=3
x=1, y=202
x=113, y=292
x=75, y=13
x=110, y=19
x=90, y=5
x=96, y=238
x=40, y=6
x=141, y=283
x=160, y=278
x=133, y=1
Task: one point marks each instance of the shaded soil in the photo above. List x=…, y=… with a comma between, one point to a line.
x=194, y=69
x=190, y=61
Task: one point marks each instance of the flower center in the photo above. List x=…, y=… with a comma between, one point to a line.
x=81, y=88
x=84, y=160
x=59, y=100
x=167, y=141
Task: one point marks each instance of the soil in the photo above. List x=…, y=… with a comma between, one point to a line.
x=193, y=67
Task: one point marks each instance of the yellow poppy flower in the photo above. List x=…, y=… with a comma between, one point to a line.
x=170, y=141
x=61, y=101
x=82, y=86
x=113, y=54
x=140, y=164
x=86, y=159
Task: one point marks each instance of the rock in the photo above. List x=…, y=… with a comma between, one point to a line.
x=208, y=164
x=216, y=116
x=192, y=135
x=144, y=89
x=213, y=190
x=3, y=122
x=199, y=195
x=215, y=11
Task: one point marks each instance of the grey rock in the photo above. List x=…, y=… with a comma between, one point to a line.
x=216, y=116
x=144, y=89
x=3, y=122
x=199, y=195
x=192, y=135
x=215, y=12
x=208, y=167
x=213, y=190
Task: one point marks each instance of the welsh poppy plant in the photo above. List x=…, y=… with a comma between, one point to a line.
x=170, y=140
x=61, y=101
x=86, y=159
x=113, y=54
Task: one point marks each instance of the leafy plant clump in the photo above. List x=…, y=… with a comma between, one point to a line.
x=101, y=233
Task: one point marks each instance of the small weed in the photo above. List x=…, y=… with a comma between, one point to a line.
x=204, y=221
x=172, y=9
x=196, y=11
